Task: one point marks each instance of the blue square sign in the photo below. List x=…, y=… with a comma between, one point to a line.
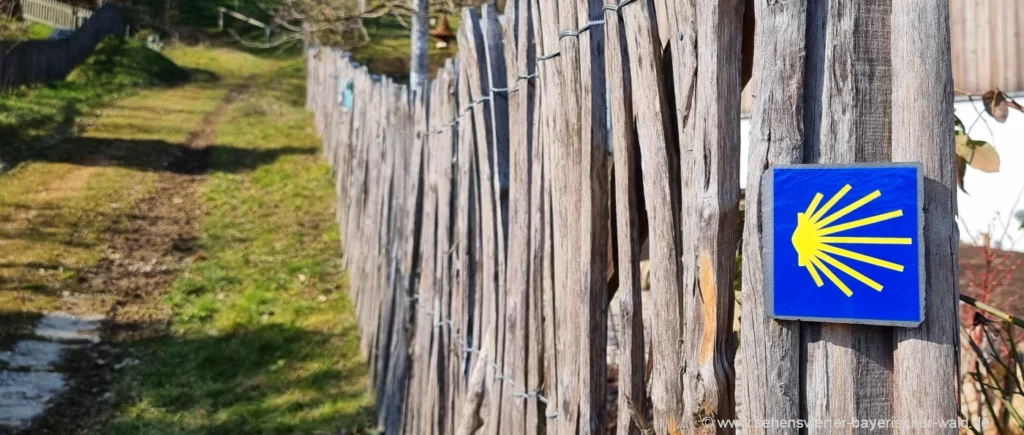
x=843, y=243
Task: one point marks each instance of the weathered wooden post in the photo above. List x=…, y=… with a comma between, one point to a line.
x=926, y=359
x=842, y=82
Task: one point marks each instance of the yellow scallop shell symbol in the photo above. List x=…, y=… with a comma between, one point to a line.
x=814, y=240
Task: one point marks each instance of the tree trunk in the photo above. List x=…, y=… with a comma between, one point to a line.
x=420, y=49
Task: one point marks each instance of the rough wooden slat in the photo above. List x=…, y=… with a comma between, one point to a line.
x=848, y=369
x=382, y=310
x=623, y=136
x=411, y=127
x=710, y=218
x=367, y=246
x=464, y=273
x=498, y=174
x=470, y=414
x=518, y=354
x=663, y=213
x=447, y=194
x=542, y=230
x=769, y=387
x=473, y=51
x=559, y=92
x=421, y=401
x=497, y=71
x=926, y=358
x=593, y=222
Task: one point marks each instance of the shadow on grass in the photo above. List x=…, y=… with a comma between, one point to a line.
x=158, y=155
x=29, y=221
x=32, y=116
x=269, y=379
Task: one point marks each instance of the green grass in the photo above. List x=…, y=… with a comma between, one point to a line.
x=14, y=29
x=263, y=338
x=127, y=63
x=39, y=31
x=32, y=117
x=62, y=193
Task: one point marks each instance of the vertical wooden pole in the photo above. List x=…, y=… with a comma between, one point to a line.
x=593, y=223
x=420, y=401
x=710, y=218
x=566, y=197
x=848, y=369
x=543, y=226
x=926, y=364
x=519, y=356
x=769, y=386
x=663, y=214
x=446, y=193
x=632, y=395
x=474, y=55
x=465, y=274
x=497, y=173
x=558, y=299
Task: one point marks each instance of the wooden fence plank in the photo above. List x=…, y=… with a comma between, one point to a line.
x=849, y=368
x=404, y=236
x=473, y=50
x=447, y=194
x=497, y=153
x=663, y=214
x=463, y=273
x=378, y=223
x=518, y=355
x=926, y=358
x=562, y=353
x=546, y=42
x=594, y=220
x=632, y=393
x=710, y=204
x=421, y=402
x=768, y=387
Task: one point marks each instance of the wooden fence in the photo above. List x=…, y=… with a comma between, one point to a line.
x=54, y=13
x=29, y=62
x=987, y=43
x=489, y=218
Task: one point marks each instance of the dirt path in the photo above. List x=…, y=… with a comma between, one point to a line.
x=174, y=269
x=146, y=254
x=134, y=235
